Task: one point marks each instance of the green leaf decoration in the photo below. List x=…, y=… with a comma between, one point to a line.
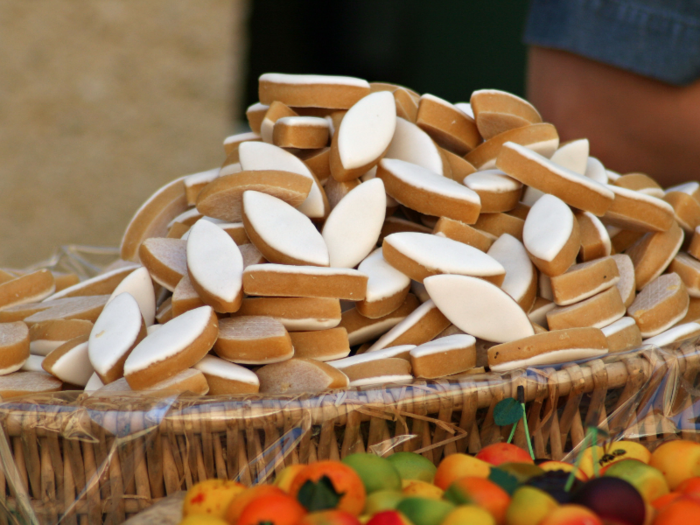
x=319, y=495
x=504, y=479
x=507, y=412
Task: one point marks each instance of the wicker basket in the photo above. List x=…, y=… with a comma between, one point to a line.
x=73, y=458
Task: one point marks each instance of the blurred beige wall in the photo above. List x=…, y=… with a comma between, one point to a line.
x=102, y=102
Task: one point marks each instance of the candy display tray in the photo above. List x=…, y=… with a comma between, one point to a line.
x=73, y=458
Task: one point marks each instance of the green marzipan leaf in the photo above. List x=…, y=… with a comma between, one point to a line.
x=504, y=479
x=319, y=495
x=507, y=412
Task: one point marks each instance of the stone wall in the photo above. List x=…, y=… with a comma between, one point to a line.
x=103, y=101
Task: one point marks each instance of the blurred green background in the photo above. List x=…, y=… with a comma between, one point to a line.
x=445, y=47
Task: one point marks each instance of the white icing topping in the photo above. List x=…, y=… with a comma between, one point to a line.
x=548, y=227
x=531, y=196
x=304, y=325
x=381, y=380
x=74, y=366
x=94, y=383
x=409, y=321
x=550, y=358
x=370, y=331
x=520, y=272
x=185, y=215
x=306, y=270
x=682, y=331
x=491, y=180
x=257, y=107
x=214, y=260
x=139, y=284
x=444, y=344
x=249, y=135
x=612, y=175
x=12, y=368
x=215, y=366
x=263, y=156
x=488, y=314
x=202, y=177
x=384, y=280
x=229, y=169
x=33, y=364
x=596, y=171
x=527, y=152
x=284, y=229
x=443, y=254
x=367, y=129
x=354, y=225
x=418, y=289
x=437, y=100
x=283, y=78
x=43, y=347
x=573, y=156
x=539, y=315
x=602, y=231
x=653, y=192
x=635, y=195
x=369, y=356
x=689, y=187
x=412, y=144
x=618, y=326
x=423, y=179
x=315, y=122
x=466, y=108
x=114, y=332
x=98, y=278
x=176, y=335
x=612, y=230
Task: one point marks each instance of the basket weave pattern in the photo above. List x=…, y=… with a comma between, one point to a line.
x=81, y=459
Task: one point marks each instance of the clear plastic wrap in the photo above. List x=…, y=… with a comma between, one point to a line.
x=71, y=457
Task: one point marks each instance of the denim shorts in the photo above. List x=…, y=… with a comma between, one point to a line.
x=655, y=38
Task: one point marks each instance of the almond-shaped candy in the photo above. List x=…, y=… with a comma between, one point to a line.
x=584, y=280
x=497, y=224
x=26, y=383
x=70, y=362
x=301, y=132
x=185, y=297
x=46, y=336
x=539, y=172
x=419, y=255
x=215, y=267
x=497, y=191
x=498, y=111
x=427, y=192
x=458, y=231
x=322, y=345
x=641, y=183
x=653, y=252
x=661, y=304
x=295, y=313
x=14, y=346
x=373, y=368
x=300, y=376
x=412, y=144
x=165, y=259
x=636, y=211
x=447, y=124
x=255, y=113
x=87, y=308
x=559, y=346
x=253, y=340
x=256, y=156
x=420, y=326
x=572, y=155
x=178, y=345
x=117, y=331
x=686, y=210
x=354, y=225
x=622, y=335
x=196, y=182
x=281, y=233
x=363, y=136
x=595, y=240
x=27, y=288
x=551, y=235
x=315, y=91
x=139, y=284
x=675, y=334
x=489, y=314
x=232, y=142
x=226, y=378
x=387, y=287
x=598, y=311
x=541, y=138
x=448, y=355
x=282, y=280
x=361, y=329
x=276, y=111
x=521, y=275
x=102, y=284
x=627, y=283
x=152, y=218
x=222, y=199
